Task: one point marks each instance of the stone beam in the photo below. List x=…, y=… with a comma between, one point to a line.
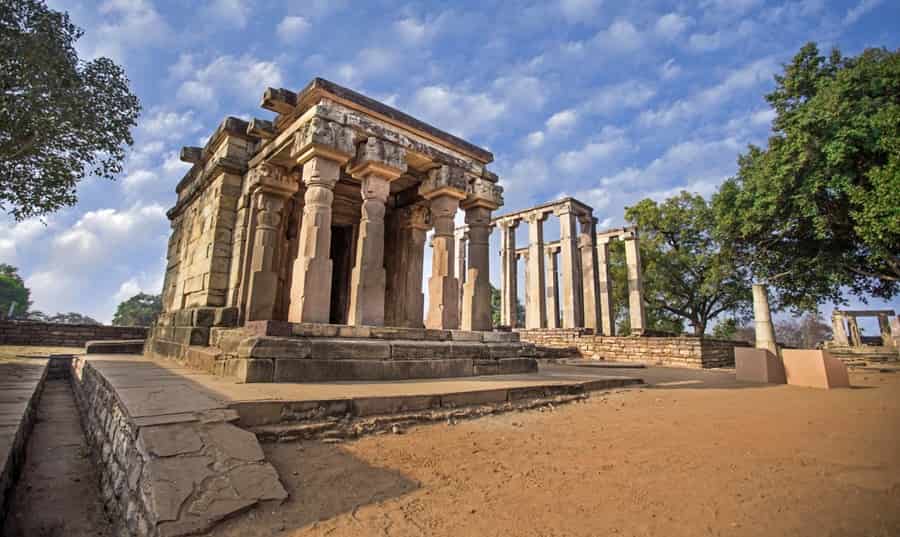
x=261, y=128
x=280, y=100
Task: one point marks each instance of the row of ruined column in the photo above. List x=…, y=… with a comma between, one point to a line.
x=567, y=282
x=376, y=164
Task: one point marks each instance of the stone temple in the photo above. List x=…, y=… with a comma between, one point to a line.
x=298, y=244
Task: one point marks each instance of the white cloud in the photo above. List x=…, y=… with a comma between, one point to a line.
x=168, y=124
x=609, y=146
x=763, y=117
x=701, y=42
x=291, y=28
x=17, y=236
x=411, y=30
x=705, y=42
x=621, y=35
x=669, y=70
x=579, y=10
x=598, y=198
x=671, y=25
x=521, y=91
x=729, y=8
x=457, y=111
x=127, y=289
x=232, y=12
x=617, y=97
x=128, y=24
x=739, y=80
x=372, y=61
x=138, y=179
x=562, y=121
x=859, y=10
x=244, y=77
x=534, y=140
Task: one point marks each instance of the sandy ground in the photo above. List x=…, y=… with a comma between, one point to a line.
x=683, y=458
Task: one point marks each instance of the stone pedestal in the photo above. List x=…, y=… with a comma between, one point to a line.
x=604, y=289
x=571, y=296
x=814, y=369
x=535, y=308
x=635, y=287
x=476, y=306
x=758, y=365
x=311, y=284
x=765, y=331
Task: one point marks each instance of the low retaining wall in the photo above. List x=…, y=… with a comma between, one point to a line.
x=683, y=351
x=22, y=385
x=63, y=335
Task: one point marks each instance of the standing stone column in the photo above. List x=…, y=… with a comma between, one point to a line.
x=572, y=305
x=271, y=187
x=461, y=236
x=839, y=329
x=476, y=303
x=855, y=335
x=635, y=287
x=604, y=288
x=884, y=328
x=589, y=276
x=552, y=287
x=322, y=147
x=535, y=306
x=311, y=285
x=377, y=164
x=765, y=331
x=509, y=277
x=415, y=227
x=445, y=187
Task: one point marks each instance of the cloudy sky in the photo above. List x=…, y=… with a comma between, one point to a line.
x=607, y=101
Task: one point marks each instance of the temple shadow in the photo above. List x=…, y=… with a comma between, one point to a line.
x=323, y=481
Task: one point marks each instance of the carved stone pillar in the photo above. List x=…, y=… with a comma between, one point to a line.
x=271, y=188
x=535, y=306
x=414, y=224
x=476, y=304
x=377, y=164
x=589, y=276
x=572, y=305
x=604, y=289
x=839, y=329
x=884, y=328
x=552, y=286
x=311, y=284
x=509, y=277
x=855, y=335
x=461, y=236
x=765, y=331
x=635, y=287
x=445, y=187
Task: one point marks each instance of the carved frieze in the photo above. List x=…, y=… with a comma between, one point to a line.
x=323, y=138
x=271, y=178
x=379, y=157
x=444, y=180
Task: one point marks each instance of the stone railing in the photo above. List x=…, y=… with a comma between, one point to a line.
x=682, y=351
x=63, y=335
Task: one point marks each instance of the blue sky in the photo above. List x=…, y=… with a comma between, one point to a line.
x=607, y=101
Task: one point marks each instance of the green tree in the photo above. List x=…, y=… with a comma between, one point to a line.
x=657, y=319
x=61, y=118
x=140, y=310
x=818, y=210
x=12, y=289
x=688, y=274
x=495, y=308
x=72, y=318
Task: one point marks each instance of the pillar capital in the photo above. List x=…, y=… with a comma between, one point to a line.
x=508, y=223
x=273, y=179
x=321, y=171
x=483, y=193
x=415, y=217
x=444, y=180
x=379, y=157
x=536, y=216
x=319, y=137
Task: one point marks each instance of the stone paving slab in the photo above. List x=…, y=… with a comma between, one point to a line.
x=22, y=380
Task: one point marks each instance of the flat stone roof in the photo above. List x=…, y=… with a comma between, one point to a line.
x=319, y=86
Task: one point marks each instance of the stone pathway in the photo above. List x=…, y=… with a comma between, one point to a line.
x=57, y=493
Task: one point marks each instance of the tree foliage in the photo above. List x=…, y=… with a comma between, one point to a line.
x=687, y=272
x=140, y=310
x=12, y=289
x=657, y=319
x=61, y=318
x=61, y=118
x=818, y=210
x=495, y=308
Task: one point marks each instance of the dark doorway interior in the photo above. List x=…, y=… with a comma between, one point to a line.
x=341, y=258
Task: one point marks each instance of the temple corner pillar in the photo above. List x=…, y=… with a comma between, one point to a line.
x=552, y=284
x=476, y=296
x=636, y=313
x=765, y=331
x=589, y=273
x=535, y=301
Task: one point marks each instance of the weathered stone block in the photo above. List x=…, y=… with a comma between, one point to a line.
x=328, y=370
x=509, y=366
x=252, y=369
x=314, y=329
x=419, y=350
x=465, y=335
x=274, y=347
x=469, y=350
x=758, y=365
x=348, y=349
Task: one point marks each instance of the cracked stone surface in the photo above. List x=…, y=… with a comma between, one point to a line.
x=170, y=440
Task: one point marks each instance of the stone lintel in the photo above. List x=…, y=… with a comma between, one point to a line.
x=191, y=155
x=381, y=158
x=261, y=128
x=319, y=137
x=279, y=100
x=552, y=206
x=274, y=179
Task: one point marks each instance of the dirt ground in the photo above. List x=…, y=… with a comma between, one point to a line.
x=9, y=352
x=683, y=458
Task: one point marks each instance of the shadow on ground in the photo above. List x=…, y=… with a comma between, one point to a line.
x=323, y=481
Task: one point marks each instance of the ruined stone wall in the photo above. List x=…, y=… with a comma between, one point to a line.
x=684, y=351
x=63, y=335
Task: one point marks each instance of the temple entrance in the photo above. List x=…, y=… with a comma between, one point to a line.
x=342, y=265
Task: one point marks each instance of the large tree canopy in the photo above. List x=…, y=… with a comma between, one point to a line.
x=687, y=272
x=140, y=310
x=13, y=290
x=818, y=210
x=60, y=118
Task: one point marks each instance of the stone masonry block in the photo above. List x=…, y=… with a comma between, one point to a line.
x=469, y=350
x=274, y=347
x=349, y=349
x=419, y=350
x=252, y=370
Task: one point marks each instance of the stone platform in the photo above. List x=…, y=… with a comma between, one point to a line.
x=273, y=351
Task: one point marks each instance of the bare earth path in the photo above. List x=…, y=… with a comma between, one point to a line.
x=684, y=458
x=57, y=494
